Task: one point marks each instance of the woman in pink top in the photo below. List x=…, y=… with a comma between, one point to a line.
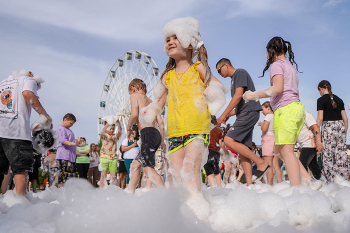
x=289, y=113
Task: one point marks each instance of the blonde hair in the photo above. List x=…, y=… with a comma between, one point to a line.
x=202, y=57
x=138, y=84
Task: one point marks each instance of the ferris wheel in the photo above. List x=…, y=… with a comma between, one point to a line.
x=115, y=98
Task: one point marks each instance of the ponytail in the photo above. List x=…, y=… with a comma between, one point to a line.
x=326, y=85
x=169, y=66
x=203, y=57
x=277, y=46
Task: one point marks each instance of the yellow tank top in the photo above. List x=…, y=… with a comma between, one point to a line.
x=187, y=110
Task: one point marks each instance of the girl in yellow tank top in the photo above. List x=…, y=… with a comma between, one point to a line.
x=187, y=110
x=188, y=116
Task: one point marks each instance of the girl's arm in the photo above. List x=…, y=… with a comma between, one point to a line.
x=265, y=126
x=119, y=129
x=126, y=148
x=83, y=153
x=345, y=119
x=68, y=143
x=104, y=130
x=316, y=130
x=319, y=117
x=134, y=113
x=274, y=90
x=202, y=72
x=161, y=101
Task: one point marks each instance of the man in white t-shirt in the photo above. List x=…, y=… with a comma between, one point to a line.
x=18, y=95
x=310, y=142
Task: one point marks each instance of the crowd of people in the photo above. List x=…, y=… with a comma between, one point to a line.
x=175, y=149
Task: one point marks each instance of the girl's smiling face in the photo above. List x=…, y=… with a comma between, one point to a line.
x=174, y=48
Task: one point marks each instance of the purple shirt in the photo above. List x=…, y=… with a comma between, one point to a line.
x=290, y=87
x=65, y=152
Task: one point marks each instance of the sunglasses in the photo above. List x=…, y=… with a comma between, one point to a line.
x=219, y=70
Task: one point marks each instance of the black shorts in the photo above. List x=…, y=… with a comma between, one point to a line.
x=122, y=167
x=212, y=165
x=18, y=154
x=150, y=141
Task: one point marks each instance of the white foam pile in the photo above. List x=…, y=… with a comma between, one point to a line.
x=228, y=157
x=148, y=114
x=259, y=208
x=214, y=95
x=111, y=120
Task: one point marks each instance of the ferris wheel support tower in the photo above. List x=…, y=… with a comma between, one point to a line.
x=115, y=98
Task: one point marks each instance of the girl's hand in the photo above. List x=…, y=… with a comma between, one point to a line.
x=249, y=95
x=319, y=147
x=260, y=123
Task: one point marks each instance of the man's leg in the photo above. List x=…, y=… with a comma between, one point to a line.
x=247, y=168
x=314, y=168
x=135, y=170
x=21, y=183
x=244, y=151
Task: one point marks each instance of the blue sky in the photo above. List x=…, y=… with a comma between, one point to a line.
x=73, y=44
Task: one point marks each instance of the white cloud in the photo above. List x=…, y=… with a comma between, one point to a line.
x=72, y=83
x=257, y=8
x=122, y=20
x=331, y=3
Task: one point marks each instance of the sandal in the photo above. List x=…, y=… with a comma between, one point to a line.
x=259, y=174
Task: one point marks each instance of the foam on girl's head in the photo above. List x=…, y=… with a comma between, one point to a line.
x=187, y=32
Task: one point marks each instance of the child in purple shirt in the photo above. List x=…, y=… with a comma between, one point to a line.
x=66, y=149
x=289, y=113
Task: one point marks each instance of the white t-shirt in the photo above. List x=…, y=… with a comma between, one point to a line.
x=96, y=157
x=132, y=153
x=14, y=110
x=306, y=137
x=119, y=155
x=270, y=130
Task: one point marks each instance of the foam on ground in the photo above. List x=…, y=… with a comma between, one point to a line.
x=78, y=207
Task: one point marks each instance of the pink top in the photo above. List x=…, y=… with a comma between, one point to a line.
x=290, y=87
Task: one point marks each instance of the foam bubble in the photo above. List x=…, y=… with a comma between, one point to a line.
x=148, y=114
x=214, y=95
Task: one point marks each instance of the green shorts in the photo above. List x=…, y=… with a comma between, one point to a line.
x=287, y=122
x=108, y=165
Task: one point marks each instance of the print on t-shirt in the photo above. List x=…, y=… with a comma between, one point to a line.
x=8, y=108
